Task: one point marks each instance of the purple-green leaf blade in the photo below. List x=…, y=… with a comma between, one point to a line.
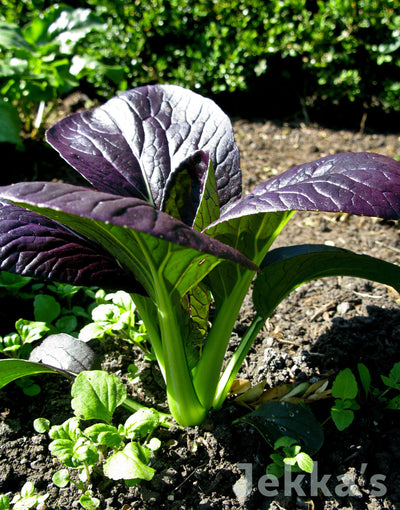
x=357, y=183
x=131, y=144
x=35, y=246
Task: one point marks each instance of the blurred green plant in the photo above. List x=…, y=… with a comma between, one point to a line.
x=23, y=500
x=352, y=51
x=39, y=64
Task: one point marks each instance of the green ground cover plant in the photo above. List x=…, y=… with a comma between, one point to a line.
x=56, y=308
x=24, y=500
x=165, y=221
x=117, y=452
x=344, y=390
x=335, y=51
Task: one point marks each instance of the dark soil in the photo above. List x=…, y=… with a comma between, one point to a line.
x=320, y=329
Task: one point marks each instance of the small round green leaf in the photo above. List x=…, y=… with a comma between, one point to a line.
x=61, y=478
x=103, y=433
x=110, y=439
x=46, y=308
x=41, y=425
x=31, y=390
x=87, y=453
x=67, y=323
x=88, y=501
x=28, y=490
x=154, y=444
x=67, y=430
x=128, y=464
x=63, y=449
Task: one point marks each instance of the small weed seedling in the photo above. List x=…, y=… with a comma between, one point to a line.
x=121, y=452
x=115, y=315
x=390, y=395
x=288, y=455
x=24, y=500
x=392, y=383
x=18, y=343
x=344, y=390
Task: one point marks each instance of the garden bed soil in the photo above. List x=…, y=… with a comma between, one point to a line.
x=318, y=330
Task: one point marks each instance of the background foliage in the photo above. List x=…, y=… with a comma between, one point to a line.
x=337, y=51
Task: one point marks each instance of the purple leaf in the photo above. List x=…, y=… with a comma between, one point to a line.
x=32, y=245
x=185, y=187
x=65, y=352
x=130, y=145
x=79, y=202
x=358, y=183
